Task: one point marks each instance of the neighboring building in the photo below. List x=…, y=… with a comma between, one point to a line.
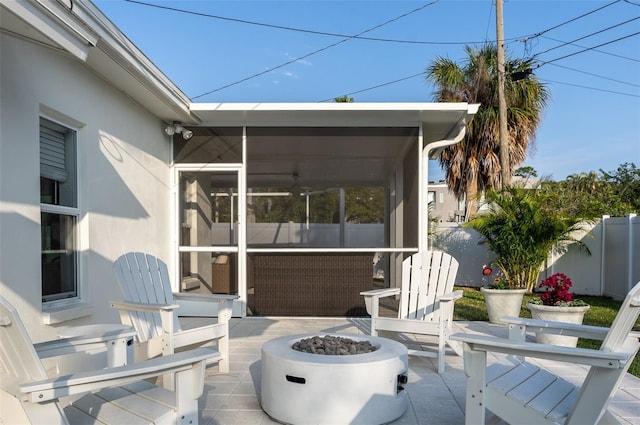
x=447, y=208
x=88, y=170
x=444, y=204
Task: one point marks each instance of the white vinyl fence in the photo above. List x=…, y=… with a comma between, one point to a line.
x=612, y=268
x=299, y=235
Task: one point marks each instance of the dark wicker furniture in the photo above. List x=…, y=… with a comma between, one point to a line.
x=309, y=284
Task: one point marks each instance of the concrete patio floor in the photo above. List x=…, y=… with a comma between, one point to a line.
x=233, y=398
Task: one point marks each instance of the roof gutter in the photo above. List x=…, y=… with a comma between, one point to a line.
x=82, y=30
x=53, y=20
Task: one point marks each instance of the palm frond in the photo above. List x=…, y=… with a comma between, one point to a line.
x=475, y=80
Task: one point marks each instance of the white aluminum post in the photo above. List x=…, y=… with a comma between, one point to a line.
x=242, y=227
x=630, y=252
x=603, y=254
x=423, y=184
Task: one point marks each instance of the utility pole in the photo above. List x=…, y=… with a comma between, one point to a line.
x=502, y=102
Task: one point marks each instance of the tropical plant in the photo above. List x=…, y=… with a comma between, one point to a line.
x=521, y=230
x=473, y=165
x=343, y=99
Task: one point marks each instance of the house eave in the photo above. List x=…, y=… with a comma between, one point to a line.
x=437, y=119
x=84, y=32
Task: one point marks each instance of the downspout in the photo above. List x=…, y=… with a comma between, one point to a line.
x=426, y=152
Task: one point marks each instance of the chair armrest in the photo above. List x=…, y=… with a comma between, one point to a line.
x=78, y=344
x=558, y=328
x=584, y=356
x=211, y=298
x=381, y=293
x=451, y=296
x=79, y=383
x=152, y=308
x=372, y=298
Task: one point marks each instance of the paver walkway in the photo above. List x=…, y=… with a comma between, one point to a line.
x=233, y=398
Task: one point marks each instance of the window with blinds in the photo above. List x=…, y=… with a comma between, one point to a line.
x=52, y=151
x=58, y=211
x=57, y=164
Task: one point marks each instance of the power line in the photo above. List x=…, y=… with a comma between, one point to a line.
x=378, y=86
x=540, y=79
x=315, y=51
x=587, y=49
x=538, y=34
x=308, y=31
x=595, y=75
x=591, y=88
x=359, y=36
x=595, y=50
x=587, y=36
x=486, y=33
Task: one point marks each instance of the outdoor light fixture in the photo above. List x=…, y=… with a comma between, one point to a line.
x=177, y=127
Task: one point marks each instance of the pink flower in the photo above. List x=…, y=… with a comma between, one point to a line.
x=557, y=289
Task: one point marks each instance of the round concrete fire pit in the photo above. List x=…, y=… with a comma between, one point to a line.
x=305, y=388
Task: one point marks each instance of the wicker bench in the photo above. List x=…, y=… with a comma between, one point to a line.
x=309, y=284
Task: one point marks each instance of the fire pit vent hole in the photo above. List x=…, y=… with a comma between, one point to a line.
x=295, y=379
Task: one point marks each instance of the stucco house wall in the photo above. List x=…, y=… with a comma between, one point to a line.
x=123, y=174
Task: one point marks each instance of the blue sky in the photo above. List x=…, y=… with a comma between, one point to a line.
x=591, y=63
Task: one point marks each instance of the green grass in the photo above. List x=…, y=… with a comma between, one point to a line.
x=602, y=313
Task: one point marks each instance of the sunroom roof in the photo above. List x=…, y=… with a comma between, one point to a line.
x=439, y=120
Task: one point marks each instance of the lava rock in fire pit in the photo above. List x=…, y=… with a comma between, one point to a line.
x=333, y=345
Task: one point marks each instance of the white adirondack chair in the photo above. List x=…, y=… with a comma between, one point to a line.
x=426, y=302
x=520, y=392
x=117, y=395
x=150, y=308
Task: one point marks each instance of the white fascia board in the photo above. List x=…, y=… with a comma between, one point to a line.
x=54, y=22
x=335, y=106
x=310, y=114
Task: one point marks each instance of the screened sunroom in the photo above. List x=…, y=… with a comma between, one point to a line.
x=297, y=208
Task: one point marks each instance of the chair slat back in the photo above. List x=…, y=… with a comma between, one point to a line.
x=424, y=278
x=624, y=321
x=600, y=384
x=19, y=358
x=144, y=278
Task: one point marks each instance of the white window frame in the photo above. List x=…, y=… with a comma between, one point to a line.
x=73, y=212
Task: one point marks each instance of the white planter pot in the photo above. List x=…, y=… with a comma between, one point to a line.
x=557, y=314
x=502, y=302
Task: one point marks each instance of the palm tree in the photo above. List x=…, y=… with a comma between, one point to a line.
x=473, y=165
